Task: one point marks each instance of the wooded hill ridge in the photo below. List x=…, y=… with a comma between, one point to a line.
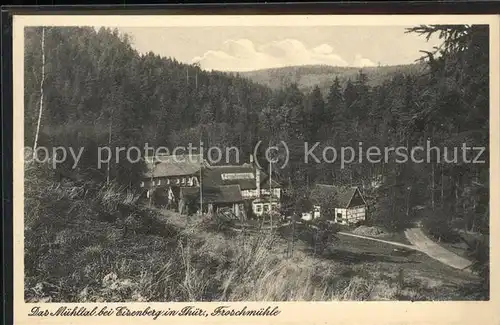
x=309, y=76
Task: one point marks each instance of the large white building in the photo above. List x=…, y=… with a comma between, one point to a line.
x=179, y=179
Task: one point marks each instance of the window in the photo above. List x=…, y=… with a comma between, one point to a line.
x=142, y=184
x=167, y=181
x=266, y=207
x=177, y=181
x=153, y=183
x=190, y=181
x=183, y=181
x=159, y=181
x=258, y=208
x=339, y=217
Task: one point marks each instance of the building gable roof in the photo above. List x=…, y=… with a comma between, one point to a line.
x=339, y=196
x=221, y=194
x=173, y=165
x=244, y=176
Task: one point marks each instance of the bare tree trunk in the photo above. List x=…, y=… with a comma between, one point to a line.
x=442, y=186
x=109, y=145
x=408, y=201
x=270, y=196
x=432, y=186
x=433, y=176
x=474, y=215
x=315, y=235
x=456, y=194
x=466, y=216
x=151, y=186
x=41, y=94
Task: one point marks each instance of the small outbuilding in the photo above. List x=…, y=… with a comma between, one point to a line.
x=343, y=205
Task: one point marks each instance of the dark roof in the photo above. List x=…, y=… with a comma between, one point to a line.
x=173, y=165
x=339, y=196
x=221, y=194
x=213, y=176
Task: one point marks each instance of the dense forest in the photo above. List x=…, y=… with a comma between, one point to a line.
x=98, y=91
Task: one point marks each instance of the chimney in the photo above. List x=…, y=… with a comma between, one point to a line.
x=257, y=174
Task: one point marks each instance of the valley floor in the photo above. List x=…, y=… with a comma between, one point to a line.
x=104, y=247
x=421, y=275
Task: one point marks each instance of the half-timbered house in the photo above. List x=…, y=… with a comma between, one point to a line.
x=343, y=205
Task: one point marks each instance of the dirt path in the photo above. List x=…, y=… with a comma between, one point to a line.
x=415, y=236
x=379, y=240
x=424, y=244
x=437, y=252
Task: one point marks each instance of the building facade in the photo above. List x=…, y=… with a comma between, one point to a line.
x=166, y=174
x=260, y=193
x=224, y=199
x=177, y=180
x=345, y=206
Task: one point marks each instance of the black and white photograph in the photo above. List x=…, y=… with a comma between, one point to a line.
x=311, y=163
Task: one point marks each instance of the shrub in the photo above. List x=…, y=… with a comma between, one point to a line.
x=438, y=227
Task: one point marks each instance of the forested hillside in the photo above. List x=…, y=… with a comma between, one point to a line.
x=308, y=76
x=99, y=91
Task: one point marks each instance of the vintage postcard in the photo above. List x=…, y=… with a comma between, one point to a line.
x=256, y=169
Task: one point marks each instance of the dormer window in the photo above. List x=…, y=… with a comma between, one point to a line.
x=142, y=184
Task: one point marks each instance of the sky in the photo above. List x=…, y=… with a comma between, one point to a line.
x=251, y=48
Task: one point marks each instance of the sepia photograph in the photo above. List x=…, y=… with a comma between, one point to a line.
x=312, y=163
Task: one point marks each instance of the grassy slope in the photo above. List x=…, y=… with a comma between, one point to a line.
x=102, y=246
x=309, y=76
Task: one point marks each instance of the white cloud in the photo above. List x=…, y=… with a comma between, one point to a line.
x=323, y=49
x=361, y=62
x=242, y=48
x=243, y=55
